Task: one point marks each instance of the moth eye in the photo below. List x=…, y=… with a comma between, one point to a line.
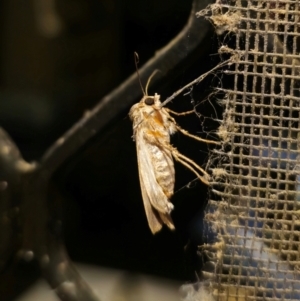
x=149, y=101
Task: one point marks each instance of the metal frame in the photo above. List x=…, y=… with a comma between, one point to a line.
x=26, y=186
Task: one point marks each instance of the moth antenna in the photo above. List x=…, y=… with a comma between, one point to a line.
x=136, y=61
x=149, y=79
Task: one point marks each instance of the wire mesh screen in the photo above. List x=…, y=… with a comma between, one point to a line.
x=254, y=208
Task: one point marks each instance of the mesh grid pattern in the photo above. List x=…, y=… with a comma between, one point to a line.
x=254, y=209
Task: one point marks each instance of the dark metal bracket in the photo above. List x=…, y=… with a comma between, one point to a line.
x=24, y=186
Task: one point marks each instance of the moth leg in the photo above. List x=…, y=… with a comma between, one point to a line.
x=179, y=114
x=202, y=179
x=174, y=150
x=190, y=164
x=186, y=133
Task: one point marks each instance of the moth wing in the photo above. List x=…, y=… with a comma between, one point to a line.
x=154, y=221
x=155, y=192
x=155, y=201
x=167, y=220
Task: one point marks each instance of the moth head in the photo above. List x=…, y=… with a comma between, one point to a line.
x=151, y=100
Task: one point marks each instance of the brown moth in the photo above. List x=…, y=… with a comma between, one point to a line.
x=152, y=127
x=151, y=130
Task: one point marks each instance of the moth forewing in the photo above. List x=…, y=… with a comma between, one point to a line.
x=155, y=163
x=156, y=203
x=156, y=179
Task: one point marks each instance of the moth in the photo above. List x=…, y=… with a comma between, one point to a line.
x=151, y=131
x=152, y=127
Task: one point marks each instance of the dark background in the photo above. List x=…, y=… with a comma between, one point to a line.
x=56, y=63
